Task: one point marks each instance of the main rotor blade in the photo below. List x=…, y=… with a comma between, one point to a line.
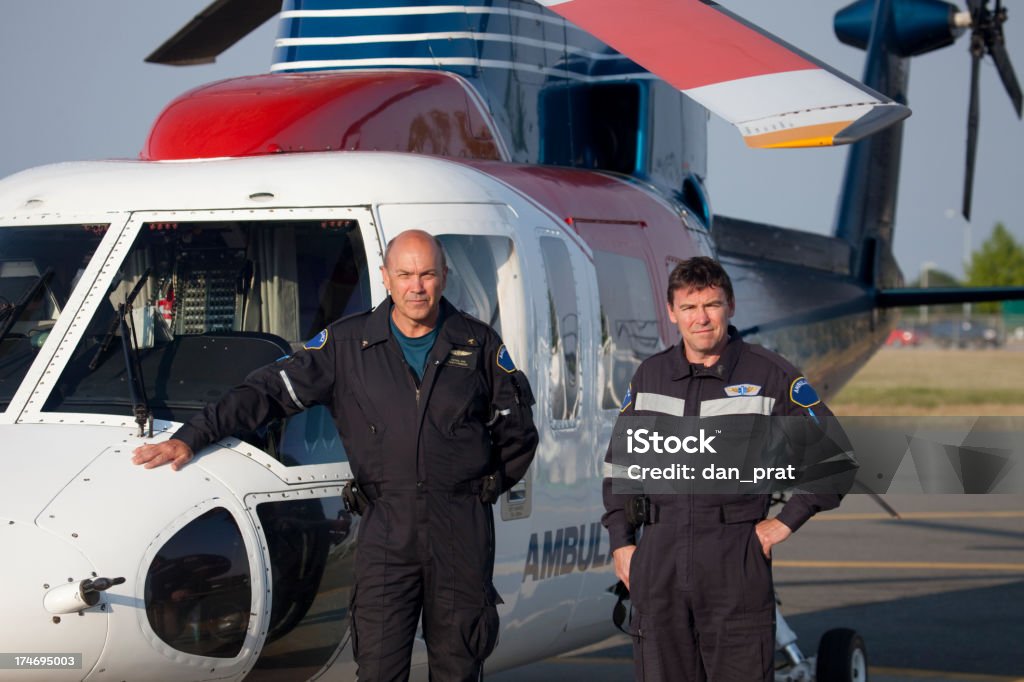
x=774, y=94
x=884, y=505
x=972, y=135
x=222, y=24
x=1006, y=73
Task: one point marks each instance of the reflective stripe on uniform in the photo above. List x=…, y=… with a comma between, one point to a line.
x=657, y=402
x=291, y=390
x=748, y=404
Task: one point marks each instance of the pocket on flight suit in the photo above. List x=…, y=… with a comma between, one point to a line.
x=363, y=427
x=639, y=580
x=483, y=634
x=760, y=594
x=459, y=417
x=744, y=646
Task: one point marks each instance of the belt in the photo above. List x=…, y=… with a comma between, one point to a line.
x=744, y=511
x=373, y=491
x=741, y=511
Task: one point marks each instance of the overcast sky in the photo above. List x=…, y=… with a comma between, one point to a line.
x=75, y=87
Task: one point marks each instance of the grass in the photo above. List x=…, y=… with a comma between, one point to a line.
x=916, y=381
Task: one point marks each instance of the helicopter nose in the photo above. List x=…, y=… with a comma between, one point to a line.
x=48, y=621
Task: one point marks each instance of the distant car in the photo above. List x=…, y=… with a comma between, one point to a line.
x=903, y=337
x=964, y=334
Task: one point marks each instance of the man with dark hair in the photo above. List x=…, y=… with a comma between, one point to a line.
x=436, y=421
x=700, y=580
x=699, y=273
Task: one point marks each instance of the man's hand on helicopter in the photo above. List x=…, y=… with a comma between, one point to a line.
x=771, y=532
x=174, y=451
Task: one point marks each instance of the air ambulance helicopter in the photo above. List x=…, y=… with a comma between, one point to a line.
x=558, y=152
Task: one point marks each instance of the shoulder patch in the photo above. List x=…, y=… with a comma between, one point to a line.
x=628, y=399
x=802, y=393
x=742, y=389
x=317, y=342
x=504, y=360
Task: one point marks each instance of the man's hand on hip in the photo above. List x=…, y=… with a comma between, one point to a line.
x=157, y=454
x=623, y=556
x=771, y=532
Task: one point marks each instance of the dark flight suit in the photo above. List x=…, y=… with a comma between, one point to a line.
x=700, y=586
x=418, y=451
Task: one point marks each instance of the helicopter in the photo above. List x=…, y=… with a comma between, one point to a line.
x=561, y=167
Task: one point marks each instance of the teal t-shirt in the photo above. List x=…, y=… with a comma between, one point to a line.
x=416, y=350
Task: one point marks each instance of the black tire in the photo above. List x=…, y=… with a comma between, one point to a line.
x=842, y=657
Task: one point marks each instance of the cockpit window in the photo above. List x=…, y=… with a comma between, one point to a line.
x=208, y=302
x=39, y=267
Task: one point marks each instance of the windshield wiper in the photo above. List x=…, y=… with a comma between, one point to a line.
x=130, y=350
x=116, y=320
x=136, y=385
x=12, y=313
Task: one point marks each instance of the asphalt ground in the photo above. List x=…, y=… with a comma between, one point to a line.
x=938, y=595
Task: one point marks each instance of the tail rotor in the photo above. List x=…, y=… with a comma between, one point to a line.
x=987, y=38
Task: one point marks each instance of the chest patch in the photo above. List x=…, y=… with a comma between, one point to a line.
x=465, y=359
x=742, y=389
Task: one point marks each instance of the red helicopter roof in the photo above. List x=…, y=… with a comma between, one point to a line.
x=429, y=112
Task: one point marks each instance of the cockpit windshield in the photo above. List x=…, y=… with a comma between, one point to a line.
x=39, y=267
x=214, y=301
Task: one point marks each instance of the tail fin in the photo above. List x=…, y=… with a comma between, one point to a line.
x=892, y=31
x=867, y=207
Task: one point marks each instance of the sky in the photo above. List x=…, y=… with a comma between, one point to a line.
x=75, y=87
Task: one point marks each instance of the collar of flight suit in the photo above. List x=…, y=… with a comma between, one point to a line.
x=454, y=328
x=681, y=368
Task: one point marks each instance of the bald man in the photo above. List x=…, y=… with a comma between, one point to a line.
x=436, y=420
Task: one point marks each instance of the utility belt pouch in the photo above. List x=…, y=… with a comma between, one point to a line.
x=355, y=499
x=638, y=511
x=490, y=489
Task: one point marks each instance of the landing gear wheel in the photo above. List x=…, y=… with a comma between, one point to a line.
x=842, y=657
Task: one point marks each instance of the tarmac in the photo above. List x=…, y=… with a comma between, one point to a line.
x=937, y=595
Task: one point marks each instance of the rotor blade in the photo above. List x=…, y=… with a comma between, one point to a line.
x=861, y=488
x=1006, y=73
x=902, y=298
x=774, y=94
x=972, y=136
x=884, y=505
x=222, y=24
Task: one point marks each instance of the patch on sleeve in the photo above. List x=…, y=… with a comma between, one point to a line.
x=627, y=400
x=802, y=393
x=742, y=389
x=317, y=342
x=504, y=360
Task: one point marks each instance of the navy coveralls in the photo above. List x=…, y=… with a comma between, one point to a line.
x=418, y=450
x=700, y=586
